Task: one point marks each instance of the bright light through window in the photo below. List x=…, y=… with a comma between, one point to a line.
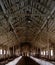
x=41, y=52
x=34, y=53
x=51, y=52
x=7, y=52
x=44, y=52
x=0, y=51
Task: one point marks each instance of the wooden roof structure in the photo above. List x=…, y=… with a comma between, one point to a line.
x=27, y=21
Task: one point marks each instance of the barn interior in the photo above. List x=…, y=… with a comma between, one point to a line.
x=27, y=31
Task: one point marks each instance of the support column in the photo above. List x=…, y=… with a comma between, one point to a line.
x=3, y=52
x=8, y=52
x=49, y=54
x=13, y=51
x=54, y=52
x=48, y=44
x=38, y=52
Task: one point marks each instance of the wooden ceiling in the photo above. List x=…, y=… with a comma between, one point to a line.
x=27, y=21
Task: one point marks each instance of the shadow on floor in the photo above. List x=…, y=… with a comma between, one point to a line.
x=26, y=61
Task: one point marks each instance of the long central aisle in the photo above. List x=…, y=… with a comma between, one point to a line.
x=26, y=61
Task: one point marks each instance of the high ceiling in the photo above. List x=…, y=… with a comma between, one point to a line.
x=27, y=21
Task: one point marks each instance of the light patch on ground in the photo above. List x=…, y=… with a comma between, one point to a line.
x=15, y=61
x=41, y=62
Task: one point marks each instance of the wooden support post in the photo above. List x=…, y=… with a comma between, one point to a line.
x=3, y=52
x=54, y=52
x=13, y=51
x=48, y=46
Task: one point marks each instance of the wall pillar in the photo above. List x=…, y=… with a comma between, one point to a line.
x=13, y=51
x=54, y=52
